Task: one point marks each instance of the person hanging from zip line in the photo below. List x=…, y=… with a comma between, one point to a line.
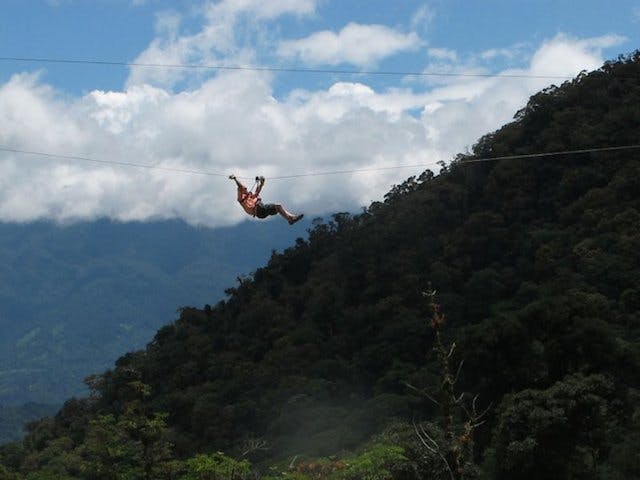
x=252, y=203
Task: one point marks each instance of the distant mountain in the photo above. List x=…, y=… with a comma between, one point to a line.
x=74, y=298
x=14, y=418
x=332, y=348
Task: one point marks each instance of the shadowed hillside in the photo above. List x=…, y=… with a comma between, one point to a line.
x=536, y=266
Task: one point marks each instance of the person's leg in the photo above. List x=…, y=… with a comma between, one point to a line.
x=290, y=217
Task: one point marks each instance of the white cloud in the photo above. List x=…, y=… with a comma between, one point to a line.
x=605, y=41
x=570, y=55
x=443, y=54
x=216, y=43
x=422, y=17
x=355, y=43
x=233, y=123
x=509, y=53
x=265, y=9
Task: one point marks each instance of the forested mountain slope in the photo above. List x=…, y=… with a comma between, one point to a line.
x=536, y=266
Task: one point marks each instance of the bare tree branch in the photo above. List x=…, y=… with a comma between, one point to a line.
x=408, y=385
x=477, y=416
x=455, y=380
x=421, y=392
x=455, y=449
x=431, y=398
x=466, y=411
x=423, y=440
x=485, y=411
x=428, y=437
x=253, y=444
x=451, y=475
x=435, y=450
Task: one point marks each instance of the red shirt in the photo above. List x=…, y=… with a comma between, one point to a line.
x=248, y=201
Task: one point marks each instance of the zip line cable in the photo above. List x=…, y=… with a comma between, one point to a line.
x=112, y=162
x=334, y=172
x=551, y=154
x=278, y=69
x=473, y=160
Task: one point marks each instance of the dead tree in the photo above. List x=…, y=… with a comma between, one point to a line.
x=455, y=449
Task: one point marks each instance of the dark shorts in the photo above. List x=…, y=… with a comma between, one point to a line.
x=264, y=210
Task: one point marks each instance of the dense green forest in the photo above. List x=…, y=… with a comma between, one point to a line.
x=73, y=298
x=479, y=323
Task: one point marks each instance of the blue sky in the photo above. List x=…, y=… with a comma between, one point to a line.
x=119, y=30
x=267, y=123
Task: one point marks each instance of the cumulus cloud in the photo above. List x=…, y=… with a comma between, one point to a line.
x=262, y=9
x=216, y=43
x=509, y=53
x=443, y=54
x=572, y=55
x=356, y=44
x=233, y=123
x=422, y=17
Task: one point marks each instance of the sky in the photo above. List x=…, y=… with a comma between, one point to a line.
x=288, y=110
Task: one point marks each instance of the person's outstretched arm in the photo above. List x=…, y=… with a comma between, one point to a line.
x=242, y=190
x=260, y=185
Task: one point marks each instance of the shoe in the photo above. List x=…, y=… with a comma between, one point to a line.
x=295, y=218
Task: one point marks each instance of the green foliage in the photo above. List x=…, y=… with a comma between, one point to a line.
x=48, y=475
x=133, y=445
x=217, y=466
x=5, y=474
x=377, y=462
x=107, y=452
x=560, y=432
